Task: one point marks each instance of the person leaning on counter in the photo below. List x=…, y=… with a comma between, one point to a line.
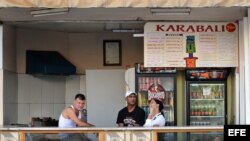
x=71, y=117
x=155, y=117
x=131, y=115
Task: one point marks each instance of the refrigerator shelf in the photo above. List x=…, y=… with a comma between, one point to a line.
x=207, y=116
x=146, y=91
x=166, y=106
x=217, y=99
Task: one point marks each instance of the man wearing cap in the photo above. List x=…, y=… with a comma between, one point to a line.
x=131, y=115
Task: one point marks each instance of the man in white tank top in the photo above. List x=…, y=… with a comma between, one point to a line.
x=71, y=117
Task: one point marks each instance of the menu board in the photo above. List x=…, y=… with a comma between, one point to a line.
x=188, y=44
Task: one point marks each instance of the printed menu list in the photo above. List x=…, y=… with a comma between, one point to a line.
x=164, y=50
x=178, y=44
x=155, y=50
x=173, y=50
x=207, y=49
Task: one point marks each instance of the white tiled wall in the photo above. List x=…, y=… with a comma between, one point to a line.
x=9, y=97
x=72, y=88
x=58, y=109
x=23, y=112
x=48, y=110
x=27, y=96
x=40, y=96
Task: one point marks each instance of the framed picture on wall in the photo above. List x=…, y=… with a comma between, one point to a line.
x=112, y=52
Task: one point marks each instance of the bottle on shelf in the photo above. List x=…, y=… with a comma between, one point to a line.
x=214, y=111
x=192, y=110
x=139, y=99
x=142, y=98
x=171, y=99
x=221, y=95
x=206, y=110
x=210, y=110
x=199, y=110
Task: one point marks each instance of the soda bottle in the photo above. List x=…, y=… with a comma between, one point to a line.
x=210, y=110
x=192, y=111
x=214, y=110
x=199, y=110
x=206, y=110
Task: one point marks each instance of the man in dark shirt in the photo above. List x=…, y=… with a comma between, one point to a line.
x=131, y=115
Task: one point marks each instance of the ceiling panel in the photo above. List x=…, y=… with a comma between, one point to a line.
x=106, y=19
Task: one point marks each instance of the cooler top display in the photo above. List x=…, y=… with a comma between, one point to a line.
x=207, y=74
x=141, y=69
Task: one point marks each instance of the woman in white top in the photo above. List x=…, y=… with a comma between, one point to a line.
x=155, y=117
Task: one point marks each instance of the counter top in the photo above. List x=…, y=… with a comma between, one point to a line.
x=166, y=128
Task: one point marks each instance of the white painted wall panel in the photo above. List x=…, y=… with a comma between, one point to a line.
x=106, y=96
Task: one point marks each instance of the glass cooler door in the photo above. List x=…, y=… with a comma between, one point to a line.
x=164, y=89
x=206, y=104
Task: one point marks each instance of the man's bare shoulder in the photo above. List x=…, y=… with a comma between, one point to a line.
x=67, y=111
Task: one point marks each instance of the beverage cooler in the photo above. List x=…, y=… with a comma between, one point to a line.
x=157, y=83
x=206, y=94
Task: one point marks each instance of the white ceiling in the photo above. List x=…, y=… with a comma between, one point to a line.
x=105, y=19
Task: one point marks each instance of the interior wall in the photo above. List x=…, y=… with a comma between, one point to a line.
x=10, y=97
x=106, y=96
x=75, y=84
x=27, y=39
x=9, y=50
x=1, y=74
x=72, y=88
x=84, y=50
x=1, y=96
x=39, y=96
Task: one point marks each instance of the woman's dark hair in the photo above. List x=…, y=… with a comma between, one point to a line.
x=157, y=101
x=80, y=96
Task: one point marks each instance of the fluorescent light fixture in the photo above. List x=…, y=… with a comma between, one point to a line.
x=127, y=30
x=170, y=11
x=138, y=35
x=49, y=12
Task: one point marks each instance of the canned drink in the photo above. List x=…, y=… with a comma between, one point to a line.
x=208, y=123
x=143, y=80
x=139, y=100
x=140, y=80
x=138, y=68
x=147, y=80
x=155, y=79
x=140, y=86
x=159, y=80
x=200, y=123
x=203, y=123
x=192, y=123
x=146, y=86
x=151, y=81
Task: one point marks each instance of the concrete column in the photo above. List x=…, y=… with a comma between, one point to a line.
x=1, y=74
x=247, y=71
x=244, y=70
x=240, y=117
